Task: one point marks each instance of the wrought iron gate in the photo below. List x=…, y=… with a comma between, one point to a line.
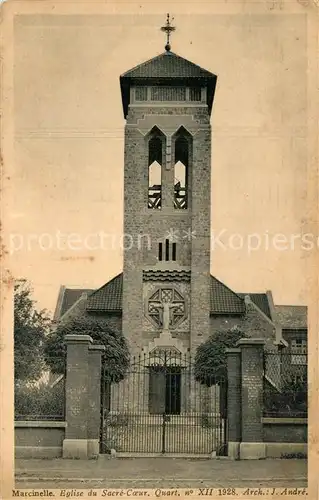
x=161, y=408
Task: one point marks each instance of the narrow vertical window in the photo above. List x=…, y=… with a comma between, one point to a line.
x=181, y=168
x=160, y=251
x=174, y=251
x=166, y=249
x=155, y=161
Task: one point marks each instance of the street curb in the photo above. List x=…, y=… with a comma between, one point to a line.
x=22, y=479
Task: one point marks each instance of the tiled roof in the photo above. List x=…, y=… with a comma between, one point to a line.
x=168, y=65
x=292, y=316
x=261, y=301
x=70, y=296
x=167, y=69
x=223, y=300
x=108, y=297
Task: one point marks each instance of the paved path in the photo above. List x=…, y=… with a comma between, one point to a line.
x=159, y=472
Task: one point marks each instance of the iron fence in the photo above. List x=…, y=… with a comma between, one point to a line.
x=285, y=384
x=160, y=407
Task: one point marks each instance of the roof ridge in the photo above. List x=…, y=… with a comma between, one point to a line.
x=194, y=64
x=106, y=284
x=166, y=54
x=145, y=62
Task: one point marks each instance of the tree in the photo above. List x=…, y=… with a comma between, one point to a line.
x=115, y=360
x=210, y=358
x=30, y=328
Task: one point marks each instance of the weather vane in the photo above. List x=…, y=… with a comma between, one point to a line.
x=168, y=28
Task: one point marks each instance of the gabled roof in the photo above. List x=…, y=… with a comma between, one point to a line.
x=260, y=300
x=67, y=298
x=292, y=316
x=168, y=65
x=167, y=69
x=223, y=300
x=108, y=297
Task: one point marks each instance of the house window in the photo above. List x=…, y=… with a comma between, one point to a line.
x=195, y=94
x=298, y=351
x=168, y=93
x=141, y=94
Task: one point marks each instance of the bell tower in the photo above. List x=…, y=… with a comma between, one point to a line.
x=167, y=103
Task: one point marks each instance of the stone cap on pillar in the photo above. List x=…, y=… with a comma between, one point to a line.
x=75, y=338
x=96, y=347
x=247, y=342
x=232, y=350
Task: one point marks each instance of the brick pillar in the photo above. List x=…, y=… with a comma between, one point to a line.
x=234, y=401
x=94, y=402
x=75, y=444
x=252, y=446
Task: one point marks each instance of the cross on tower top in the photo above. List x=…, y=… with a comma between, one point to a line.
x=168, y=28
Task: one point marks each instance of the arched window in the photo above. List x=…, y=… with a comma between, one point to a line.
x=181, y=168
x=155, y=162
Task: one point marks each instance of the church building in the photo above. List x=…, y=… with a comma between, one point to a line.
x=166, y=296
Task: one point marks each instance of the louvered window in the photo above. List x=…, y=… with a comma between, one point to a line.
x=168, y=93
x=141, y=94
x=195, y=94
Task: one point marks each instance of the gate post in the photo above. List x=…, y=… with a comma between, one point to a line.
x=234, y=401
x=252, y=373
x=94, y=403
x=75, y=444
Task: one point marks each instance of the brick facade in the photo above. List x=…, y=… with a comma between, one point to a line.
x=192, y=253
x=144, y=229
x=82, y=397
x=252, y=390
x=234, y=401
x=250, y=435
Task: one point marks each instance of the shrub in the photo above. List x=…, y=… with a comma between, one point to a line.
x=116, y=358
x=211, y=359
x=291, y=401
x=33, y=402
x=113, y=431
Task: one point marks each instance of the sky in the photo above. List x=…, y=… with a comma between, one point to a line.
x=67, y=173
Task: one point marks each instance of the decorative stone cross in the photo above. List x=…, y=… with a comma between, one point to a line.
x=167, y=307
x=166, y=318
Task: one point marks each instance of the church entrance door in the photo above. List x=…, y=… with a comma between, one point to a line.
x=173, y=391
x=164, y=390
x=160, y=408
